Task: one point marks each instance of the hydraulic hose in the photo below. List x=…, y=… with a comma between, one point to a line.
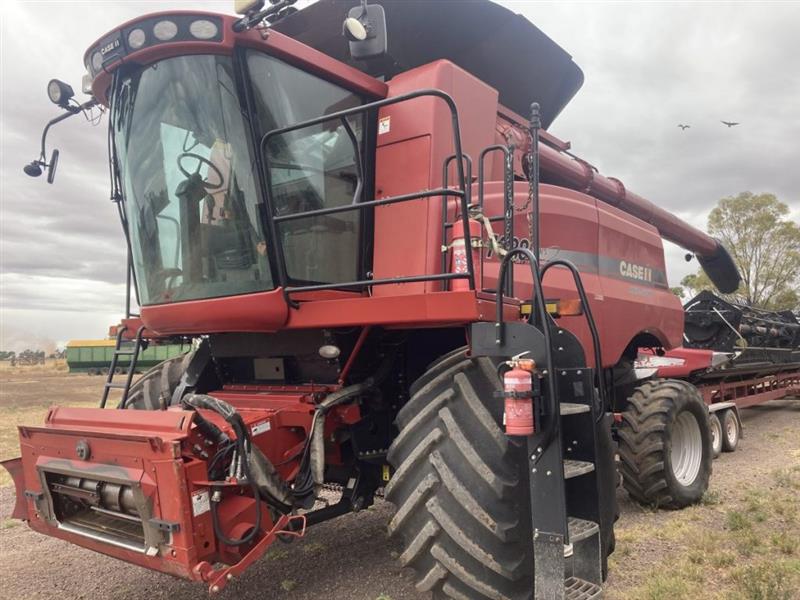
x=264, y=480
x=316, y=447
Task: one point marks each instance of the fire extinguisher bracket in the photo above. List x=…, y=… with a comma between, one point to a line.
x=514, y=394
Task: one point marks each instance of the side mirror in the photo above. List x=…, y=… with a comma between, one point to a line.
x=365, y=29
x=51, y=167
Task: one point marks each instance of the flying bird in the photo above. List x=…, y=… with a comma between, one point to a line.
x=683, y=127
x=728, y=123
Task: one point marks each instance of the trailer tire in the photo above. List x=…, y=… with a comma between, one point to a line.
x=153, y=390
x=665, y=444
x=462, y=508
x=715, y=426
x=731, y=431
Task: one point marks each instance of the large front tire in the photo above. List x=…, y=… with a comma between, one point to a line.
x=154, y=389
x=665, y=444
x=462, y=508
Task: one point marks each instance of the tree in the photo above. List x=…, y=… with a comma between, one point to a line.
x=764, y=244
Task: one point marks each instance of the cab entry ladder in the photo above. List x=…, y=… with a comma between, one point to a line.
x=565, y=462
x=123, y=348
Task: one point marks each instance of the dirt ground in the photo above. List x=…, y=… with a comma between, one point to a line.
x=742, y=542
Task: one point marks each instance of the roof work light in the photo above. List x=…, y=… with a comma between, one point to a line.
x=59, y=92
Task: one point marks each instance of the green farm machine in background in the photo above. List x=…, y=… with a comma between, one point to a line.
x=94, y=356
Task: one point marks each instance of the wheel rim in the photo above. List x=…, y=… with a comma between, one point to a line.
x=687, y=448
x=716, y=434
x=731, y=430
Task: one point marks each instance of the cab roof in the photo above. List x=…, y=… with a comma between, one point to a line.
x=501, y=48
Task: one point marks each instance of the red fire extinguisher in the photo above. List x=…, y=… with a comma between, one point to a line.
x=518, y=392
x=458, y=261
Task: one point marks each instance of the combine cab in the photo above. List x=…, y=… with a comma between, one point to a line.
x=390, y=278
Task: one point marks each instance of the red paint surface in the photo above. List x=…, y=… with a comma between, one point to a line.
x=275, y=43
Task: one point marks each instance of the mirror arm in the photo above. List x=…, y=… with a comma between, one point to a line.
x=72, y=110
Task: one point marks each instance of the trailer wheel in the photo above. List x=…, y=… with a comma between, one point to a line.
x=461, y=503
x=665, y=444
x=153, y=390
x=716, y=434
x=731, y=431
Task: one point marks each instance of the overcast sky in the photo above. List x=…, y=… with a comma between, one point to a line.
x=647, y=67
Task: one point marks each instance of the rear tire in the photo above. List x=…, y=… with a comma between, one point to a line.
x=716, y=434
x=665, y=444
x=154, y=389
x=731, y=431
x=462, y=508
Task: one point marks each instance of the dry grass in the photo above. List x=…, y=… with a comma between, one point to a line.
x=11, y=417
x=747, y=549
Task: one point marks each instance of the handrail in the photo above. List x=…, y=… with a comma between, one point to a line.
x=446, y=185
x=598, y=357
x=508, y=198
x=461, y=193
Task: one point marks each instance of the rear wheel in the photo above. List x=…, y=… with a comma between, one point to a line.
x=731, y=432
x=716, y=434
x=665, y=444
x=462, y=508
x=154, y=389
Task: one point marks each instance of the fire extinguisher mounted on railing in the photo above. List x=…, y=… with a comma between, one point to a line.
x=479, y=226
x=521, y=390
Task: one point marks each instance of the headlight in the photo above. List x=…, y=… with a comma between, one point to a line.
x=203, y=29
x=165, y=30
x=97, y=61
x=136, y=38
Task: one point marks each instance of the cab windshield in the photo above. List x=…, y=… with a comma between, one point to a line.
x=188, y=181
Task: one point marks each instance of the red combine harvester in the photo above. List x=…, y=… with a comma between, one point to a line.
x=392, y=280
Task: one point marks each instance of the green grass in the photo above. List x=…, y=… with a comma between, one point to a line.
x=737, y=521
x=711, y=498
x=9, y=523
x=767, y=580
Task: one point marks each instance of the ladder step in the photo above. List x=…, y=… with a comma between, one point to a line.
x=574, y=468
x=116, y=386
x=578, y=589
x=580, y=529
x=571, y=408
x=126, y=352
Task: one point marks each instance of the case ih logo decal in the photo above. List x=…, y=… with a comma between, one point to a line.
x=637, y=272
x=111, y=46
x=587, y=262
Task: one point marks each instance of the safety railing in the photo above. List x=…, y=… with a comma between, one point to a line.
x=445, y=192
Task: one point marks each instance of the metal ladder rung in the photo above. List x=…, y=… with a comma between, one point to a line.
x=578, y=589
x=125, y=352
x=575, y=468
x=115, y=386
x=580, y=529
x=572, y=408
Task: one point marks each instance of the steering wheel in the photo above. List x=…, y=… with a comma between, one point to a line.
x=201, y=160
